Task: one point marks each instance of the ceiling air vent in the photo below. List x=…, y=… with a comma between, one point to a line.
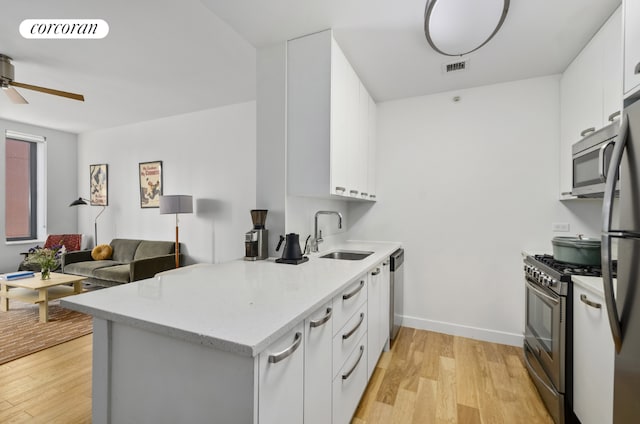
x=460, y=65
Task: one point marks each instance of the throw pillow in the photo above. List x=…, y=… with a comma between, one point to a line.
x=101, y=252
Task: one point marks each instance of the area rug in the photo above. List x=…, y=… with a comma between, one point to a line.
x=22, y=333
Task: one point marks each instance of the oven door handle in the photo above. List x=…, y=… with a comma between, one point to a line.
x=543, y=294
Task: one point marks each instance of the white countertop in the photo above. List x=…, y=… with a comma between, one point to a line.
x=238, y=306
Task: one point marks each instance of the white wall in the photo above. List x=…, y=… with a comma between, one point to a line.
x=466, y=186
x=209, y=154
x=61, y=188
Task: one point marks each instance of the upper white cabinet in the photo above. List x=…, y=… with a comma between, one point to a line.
x=590, y=93
x=330, y=122
x=631, y=47
x=593, y=358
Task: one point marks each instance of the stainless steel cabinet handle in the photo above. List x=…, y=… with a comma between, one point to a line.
x=353, y=293
x=614, y=115
x=637, y=70
x=372, y=196
x=587, y=131
x=348, y=374
x=321, y=321
x=354, y=192
x=363, y=194
x=348, y=334
x=277, y=357
x=376, y=272
x=585, y=300
x=342, y=189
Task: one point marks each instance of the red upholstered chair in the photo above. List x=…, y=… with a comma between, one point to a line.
x=71, y=242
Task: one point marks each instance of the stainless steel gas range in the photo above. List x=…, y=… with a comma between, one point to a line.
x=548, y=338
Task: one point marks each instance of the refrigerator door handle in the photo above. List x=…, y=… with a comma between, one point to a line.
x=609, y=297
x=607, y=212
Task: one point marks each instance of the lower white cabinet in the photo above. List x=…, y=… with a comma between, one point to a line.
x=281, y=380
x=318, y=366
x=350, y=383
x=347, y=339
x=378, y=308
x=593, y=358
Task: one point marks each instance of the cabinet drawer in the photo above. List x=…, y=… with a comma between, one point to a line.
x=348, y=338
x=350, y=383
x=349, y=301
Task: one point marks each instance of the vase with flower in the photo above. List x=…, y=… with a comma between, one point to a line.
x=48, y=259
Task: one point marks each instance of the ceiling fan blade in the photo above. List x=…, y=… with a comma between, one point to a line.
x=14, y=96
x=66, y=94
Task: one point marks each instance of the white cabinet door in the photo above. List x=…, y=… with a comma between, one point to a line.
x=350, y=383
x=318, y=375
x=280, y=380
x=345, y=341
x=612, y=68
x=374, y=330
x=631, y=47
x=593, y=359
x=371, y=152
x=340, y=108
x=385, y=304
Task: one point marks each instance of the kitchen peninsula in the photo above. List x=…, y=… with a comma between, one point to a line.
x=240, y=342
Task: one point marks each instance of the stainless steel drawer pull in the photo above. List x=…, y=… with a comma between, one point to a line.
x=348, y=374
x=583, y=299
x=342, y=189
x=364, y=194
x=614, y=115
x=354, y=192
x=275, y=358
x=353, y=293
x=372, y=196
x=321, y=321
x=587, y=131
x=376, y=272
x=345, y=336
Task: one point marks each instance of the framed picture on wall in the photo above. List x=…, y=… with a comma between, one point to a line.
x=150, y=184
x=98, y=184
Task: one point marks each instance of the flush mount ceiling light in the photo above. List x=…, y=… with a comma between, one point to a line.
x=459, y=27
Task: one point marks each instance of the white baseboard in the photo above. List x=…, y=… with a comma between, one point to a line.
x=483, y=334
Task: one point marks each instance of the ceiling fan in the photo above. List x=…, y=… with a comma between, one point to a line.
x=7, y=83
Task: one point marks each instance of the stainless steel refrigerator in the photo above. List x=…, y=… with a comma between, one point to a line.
x=623, y=306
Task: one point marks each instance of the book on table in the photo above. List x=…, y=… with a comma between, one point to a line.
x=16, y=275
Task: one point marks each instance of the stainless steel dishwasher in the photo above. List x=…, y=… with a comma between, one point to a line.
x=396, y=293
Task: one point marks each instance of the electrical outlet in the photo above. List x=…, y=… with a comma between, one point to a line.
x=560, y=227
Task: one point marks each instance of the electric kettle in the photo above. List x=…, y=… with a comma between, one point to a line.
x=291, y=253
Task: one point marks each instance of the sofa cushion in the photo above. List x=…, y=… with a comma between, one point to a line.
x=124, y=249
x=117, y=273
x=87, y=268
x=150, y=249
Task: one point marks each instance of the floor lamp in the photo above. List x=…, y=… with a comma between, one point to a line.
x=83, y=201
x=176, y=204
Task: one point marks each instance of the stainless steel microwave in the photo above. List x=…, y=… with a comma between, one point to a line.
x=591, y=157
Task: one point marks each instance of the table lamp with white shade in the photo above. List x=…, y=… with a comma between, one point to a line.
x=176, y=204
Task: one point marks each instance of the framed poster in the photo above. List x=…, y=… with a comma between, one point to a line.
x=150, y=184
x=98, y=180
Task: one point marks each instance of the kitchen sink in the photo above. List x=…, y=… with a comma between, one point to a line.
x=348, y=255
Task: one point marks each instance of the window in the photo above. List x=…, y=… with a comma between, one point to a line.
x=24, y=187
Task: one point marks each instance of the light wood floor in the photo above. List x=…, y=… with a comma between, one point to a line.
x=425, y=378
x=434, y=378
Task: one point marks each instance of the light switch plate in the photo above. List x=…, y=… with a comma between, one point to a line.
x=560, y=227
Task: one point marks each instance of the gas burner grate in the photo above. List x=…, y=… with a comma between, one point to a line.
x=572, y=269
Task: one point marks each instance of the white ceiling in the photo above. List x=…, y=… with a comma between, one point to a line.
x=165, y=57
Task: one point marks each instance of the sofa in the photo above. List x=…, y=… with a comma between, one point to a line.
x=131, y=260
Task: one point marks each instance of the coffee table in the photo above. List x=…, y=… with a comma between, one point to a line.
x=36, y=290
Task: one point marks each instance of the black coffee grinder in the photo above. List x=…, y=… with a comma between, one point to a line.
x=256, y=241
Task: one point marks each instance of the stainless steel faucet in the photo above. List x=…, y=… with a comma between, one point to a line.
x=318, y=238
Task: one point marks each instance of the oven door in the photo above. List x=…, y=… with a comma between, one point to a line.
x=545, y=330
